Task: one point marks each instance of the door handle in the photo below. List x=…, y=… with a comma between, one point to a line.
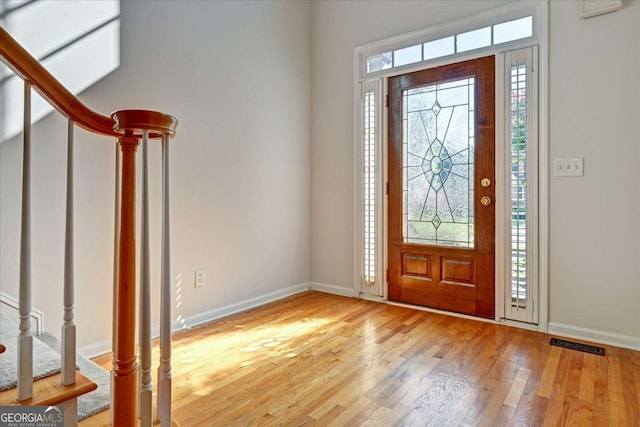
x=485, y=201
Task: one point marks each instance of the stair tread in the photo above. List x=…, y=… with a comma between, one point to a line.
x=49, y=391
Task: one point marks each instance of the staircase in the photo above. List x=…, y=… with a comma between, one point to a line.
x=46, y=363
x=131, y=389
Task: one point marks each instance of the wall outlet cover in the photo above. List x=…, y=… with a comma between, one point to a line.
x=199, y=278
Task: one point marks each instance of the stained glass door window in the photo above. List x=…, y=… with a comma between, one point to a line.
x=438, y=164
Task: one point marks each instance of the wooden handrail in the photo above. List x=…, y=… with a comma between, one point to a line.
x=29, y=69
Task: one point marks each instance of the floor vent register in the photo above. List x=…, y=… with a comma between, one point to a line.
x=577, y=346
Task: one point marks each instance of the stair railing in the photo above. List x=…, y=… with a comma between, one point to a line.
x=130, y=128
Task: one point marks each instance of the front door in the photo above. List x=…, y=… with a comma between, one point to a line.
x=442, y=188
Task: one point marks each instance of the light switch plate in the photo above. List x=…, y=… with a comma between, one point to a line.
x=573, y=166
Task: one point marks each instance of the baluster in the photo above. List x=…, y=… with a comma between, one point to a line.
x=25, y=340
x=146, y=388
x=164, y=370
x=116, y=237
x=125, y=384
x=68, y=332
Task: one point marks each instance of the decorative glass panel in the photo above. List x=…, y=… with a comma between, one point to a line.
x=513, y=30
x=473, y=39
x=438, y=48
x=379, y=62
x=438, y=140
x=518, y=185
x=369, y=189
x=407, y=55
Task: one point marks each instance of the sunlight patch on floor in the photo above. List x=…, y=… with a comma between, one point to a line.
x=235, y=352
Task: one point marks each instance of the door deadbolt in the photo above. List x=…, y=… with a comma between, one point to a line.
x=485, y=182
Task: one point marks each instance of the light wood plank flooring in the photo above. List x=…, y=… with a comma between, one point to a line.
x=323, y=360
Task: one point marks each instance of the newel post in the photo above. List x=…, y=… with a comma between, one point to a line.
x=132, y=126
x=125, y=369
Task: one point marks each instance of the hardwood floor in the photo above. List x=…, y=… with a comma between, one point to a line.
x=324, y=360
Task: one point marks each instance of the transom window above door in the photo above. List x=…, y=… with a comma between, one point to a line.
x=490, y=35
x=503, y=28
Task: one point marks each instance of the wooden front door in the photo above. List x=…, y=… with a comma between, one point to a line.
x=442, y=188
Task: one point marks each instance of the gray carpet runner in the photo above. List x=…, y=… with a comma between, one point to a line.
x=46, y=362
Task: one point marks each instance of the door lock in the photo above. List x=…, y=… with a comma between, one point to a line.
x=485, y=201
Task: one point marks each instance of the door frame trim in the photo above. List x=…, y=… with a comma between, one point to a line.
x=542, y=41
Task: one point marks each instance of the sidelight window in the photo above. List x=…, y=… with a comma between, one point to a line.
x=369, y=148
x=522, y=158
x=370, y=187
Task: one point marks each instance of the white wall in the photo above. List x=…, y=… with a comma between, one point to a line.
x=595, y=237
x=595, y=114
x=237, y=76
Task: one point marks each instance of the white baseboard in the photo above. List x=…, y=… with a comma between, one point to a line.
x=211, y=315
x=181, y=323
x=331, y=289
x=95, y=349
x=601, y=337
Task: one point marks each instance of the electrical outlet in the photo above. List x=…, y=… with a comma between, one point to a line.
x=199, y=281
x=568, y=167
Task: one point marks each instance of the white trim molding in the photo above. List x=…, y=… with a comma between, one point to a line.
x=95, y=349
x=594, y=335
x=228, y=310
x=332, y=289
